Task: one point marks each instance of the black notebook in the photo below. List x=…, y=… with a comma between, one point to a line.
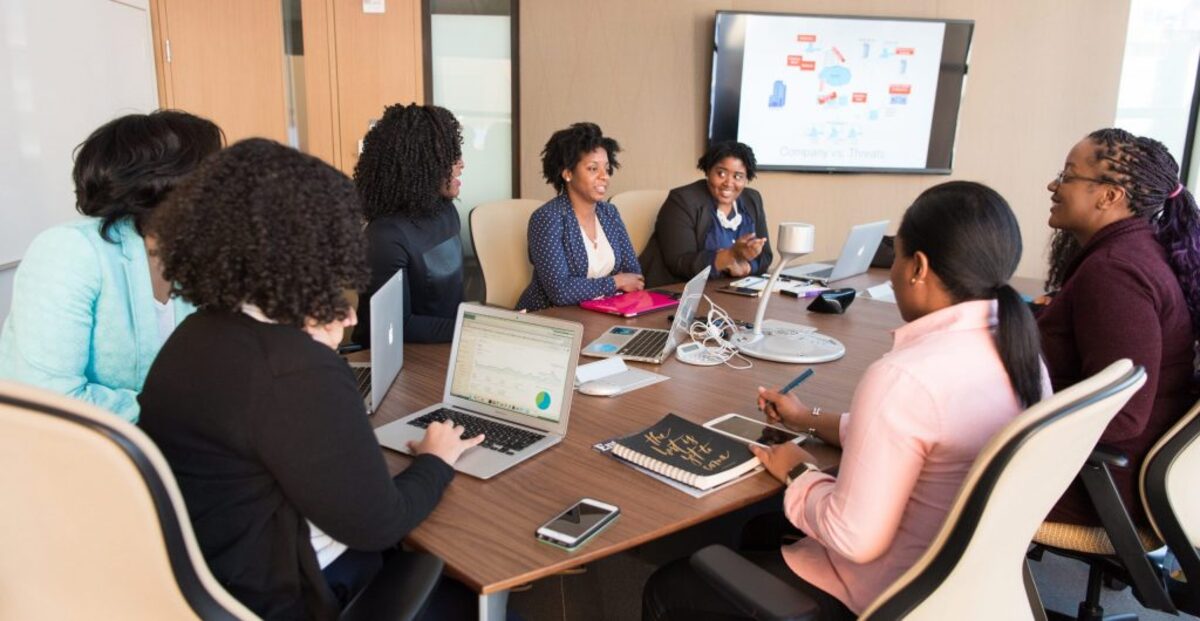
x=687, y=452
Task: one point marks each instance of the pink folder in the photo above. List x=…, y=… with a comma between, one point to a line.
x=631, y=304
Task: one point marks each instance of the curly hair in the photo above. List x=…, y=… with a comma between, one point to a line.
x=128, y=165
x=407, y=158
x=1150, y=177
x=729, y=148
x=264, y=224
x=567, y=146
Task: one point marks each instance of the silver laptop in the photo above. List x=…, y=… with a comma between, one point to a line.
x=652, y=344
x=510, y=377
x=857, y=252
x=387, y=344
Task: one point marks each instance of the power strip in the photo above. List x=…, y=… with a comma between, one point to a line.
x=699, y=355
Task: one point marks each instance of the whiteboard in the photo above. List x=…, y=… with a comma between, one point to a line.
x=66, y=67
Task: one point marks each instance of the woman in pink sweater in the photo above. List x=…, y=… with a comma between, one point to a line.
x=964, y=365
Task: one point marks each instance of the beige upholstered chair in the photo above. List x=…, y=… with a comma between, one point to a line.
x=975, y=567
x=639, y=210
x=499, y=232
x=1134, y=555
x=94, y=526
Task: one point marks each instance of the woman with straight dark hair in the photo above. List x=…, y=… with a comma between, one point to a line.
x=90, y=305
x=964, y=365
x=1125, y=277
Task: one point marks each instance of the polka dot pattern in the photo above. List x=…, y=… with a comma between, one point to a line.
x=560, y=260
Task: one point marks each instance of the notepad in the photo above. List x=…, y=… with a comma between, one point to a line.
x=686, y=452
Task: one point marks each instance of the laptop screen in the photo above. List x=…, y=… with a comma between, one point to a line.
x=512, y=365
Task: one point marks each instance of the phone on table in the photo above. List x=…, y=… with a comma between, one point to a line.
x=578, y=523
x=752, y=431
x=746, y=291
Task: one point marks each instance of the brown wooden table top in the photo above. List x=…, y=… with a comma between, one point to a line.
x=484, y=530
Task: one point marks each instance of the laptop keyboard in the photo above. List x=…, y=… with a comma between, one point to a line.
x=362, y=377
x=645, y=344
x=497, y=436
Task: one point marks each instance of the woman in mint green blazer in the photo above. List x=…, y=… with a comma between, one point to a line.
x=90, y=308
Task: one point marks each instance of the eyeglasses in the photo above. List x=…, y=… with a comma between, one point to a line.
x=1063, y=178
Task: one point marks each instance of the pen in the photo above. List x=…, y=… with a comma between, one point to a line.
x=796, y=382
x=790, y=385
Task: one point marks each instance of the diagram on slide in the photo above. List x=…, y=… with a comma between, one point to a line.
x=822, y=92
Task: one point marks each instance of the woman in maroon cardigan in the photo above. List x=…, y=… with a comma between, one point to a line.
x=1125, y=277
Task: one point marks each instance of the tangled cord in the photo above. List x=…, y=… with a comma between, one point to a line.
x=715, y=335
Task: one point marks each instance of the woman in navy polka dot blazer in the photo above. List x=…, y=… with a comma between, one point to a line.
x=577, y=242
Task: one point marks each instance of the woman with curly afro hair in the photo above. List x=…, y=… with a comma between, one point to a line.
x=1125, y=266
x=90, y=305
x=577, y=242
x=407, y=179
x=261, y=421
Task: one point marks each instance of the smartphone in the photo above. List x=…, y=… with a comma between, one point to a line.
x=752, y=431
x=746, y=291
x=578, y=523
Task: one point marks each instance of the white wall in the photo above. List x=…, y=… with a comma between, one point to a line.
x=66, y=67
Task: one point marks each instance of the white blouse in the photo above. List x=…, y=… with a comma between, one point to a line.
x=601, y=259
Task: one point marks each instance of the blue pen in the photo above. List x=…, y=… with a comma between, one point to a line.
x=796, y=382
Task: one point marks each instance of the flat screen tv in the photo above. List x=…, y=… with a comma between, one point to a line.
x=839, y=94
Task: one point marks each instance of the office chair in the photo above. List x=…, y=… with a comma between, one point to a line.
x=639, y=211
x=1132, y=555
x=975, y=567
x=499, y=232
x=94, y=526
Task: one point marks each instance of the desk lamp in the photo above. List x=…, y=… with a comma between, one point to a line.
x=780, y=341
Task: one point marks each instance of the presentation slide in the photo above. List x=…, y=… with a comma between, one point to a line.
x=839, y=92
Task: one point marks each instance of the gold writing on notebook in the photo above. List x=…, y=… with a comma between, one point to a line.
x=686, y=447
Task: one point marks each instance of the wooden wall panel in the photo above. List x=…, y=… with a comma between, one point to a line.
x=378, y=62
x=1042, y=75
x=226, y=64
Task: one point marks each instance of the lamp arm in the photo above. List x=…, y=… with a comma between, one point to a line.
x=769, y=289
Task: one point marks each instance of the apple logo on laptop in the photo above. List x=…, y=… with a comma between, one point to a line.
x=391, y=333
x=861, y=249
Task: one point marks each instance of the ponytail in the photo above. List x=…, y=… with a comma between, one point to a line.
x=973, y=242
x=1018, y=345
x=1177, y=228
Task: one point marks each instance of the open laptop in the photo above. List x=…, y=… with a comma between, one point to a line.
x=857, y=252
x=510, y=377
x=651, y=344
x=387, y=343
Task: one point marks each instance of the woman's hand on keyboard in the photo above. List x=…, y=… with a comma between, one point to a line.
x=444, y=439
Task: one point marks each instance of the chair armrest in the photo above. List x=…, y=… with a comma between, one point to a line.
x=399, y=591
x=1108, y=455
x=754, y=590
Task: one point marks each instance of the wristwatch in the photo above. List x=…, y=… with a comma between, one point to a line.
x=799, y=470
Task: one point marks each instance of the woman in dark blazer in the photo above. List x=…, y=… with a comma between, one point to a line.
x=715, y=221
x=577, y=242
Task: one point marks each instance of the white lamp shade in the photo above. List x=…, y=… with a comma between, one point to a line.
x=795, y=238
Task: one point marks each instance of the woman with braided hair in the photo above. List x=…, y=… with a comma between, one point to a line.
x=1125, y=283
x=407, y=179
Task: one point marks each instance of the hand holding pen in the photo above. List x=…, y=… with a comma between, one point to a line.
x=782, y=408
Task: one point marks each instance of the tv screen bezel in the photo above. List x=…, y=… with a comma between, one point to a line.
x=725, y=89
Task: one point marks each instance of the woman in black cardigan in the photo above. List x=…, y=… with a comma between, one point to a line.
x=715, y=221
x=408, y=179
x=261, y=421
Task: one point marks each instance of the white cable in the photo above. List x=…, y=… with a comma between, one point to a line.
x=715, y=334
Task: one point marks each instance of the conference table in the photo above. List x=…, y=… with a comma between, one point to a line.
x=484, y=530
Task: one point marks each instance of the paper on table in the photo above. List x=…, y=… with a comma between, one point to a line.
x=883, y=293
x=614, y=371
x=802, y=288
